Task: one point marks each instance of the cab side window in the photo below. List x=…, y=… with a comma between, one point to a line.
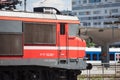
x=62, y=29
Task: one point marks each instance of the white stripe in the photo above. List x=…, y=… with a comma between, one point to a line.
x=52, y=48
x=114, y=49
x=40, y=47
x=99, y=49
x=93, y=49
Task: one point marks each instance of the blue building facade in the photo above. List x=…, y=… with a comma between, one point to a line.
x=94, y=13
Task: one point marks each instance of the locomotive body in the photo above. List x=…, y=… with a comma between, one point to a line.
x=36, y=46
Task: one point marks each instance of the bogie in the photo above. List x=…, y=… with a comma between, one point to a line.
x=37, y=73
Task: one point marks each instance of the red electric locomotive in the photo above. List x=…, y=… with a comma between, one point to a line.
x=37, y=46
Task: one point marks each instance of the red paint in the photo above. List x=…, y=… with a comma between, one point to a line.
x=40, y=54
x=61, y=40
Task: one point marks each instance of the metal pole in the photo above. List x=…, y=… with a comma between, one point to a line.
x=25, y=5
x=103, y=70
x=112, y=31
x=115, y=71
x=89, y=74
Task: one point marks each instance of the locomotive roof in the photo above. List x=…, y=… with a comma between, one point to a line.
x=43, y=16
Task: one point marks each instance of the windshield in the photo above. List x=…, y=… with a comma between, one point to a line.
x=73, y=29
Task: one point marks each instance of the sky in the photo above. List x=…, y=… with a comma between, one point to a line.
x=59, y=4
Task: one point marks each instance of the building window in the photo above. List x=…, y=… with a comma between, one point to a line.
x=91, y=18
x=96, y=12
x=86, y=24
x=79, y=1
x=94, y=1
x=88, y=12
x=91, y=1
x=114, y=10
x=73, y=3
x=105, y=11
x=95, y=17
x=117, y=0
x=100, y=17
x=74, y=13
x=84, y=13
x=105, y=0
x=84, y=1
x=97, y=23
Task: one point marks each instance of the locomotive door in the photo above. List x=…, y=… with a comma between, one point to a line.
x=63, y=43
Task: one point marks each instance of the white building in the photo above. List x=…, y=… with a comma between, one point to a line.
x=94, y=13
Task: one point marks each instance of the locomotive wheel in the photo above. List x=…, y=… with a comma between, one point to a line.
x=72, y=75
x=6, y=75
x=32, y=75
